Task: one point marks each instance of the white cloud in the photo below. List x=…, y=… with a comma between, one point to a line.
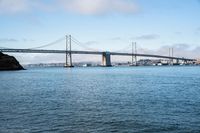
x=84, y=7
x=91, y=43
x=116, y=39
x=96, y=7
x=13, y=6
x=180, y=50
x=147, y=37
x=5, y=40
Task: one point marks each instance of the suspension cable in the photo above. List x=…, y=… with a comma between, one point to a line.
x=82, y=45
x=42, y=46
x=49, y=44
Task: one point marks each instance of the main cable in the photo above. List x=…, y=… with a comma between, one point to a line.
x=49, y=44
x=82, y=45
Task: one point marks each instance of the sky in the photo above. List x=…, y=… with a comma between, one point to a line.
x=103, y=25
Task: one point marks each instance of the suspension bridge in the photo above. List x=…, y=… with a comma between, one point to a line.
x=106, y=55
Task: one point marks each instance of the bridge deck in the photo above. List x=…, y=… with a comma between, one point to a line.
x=89, y=52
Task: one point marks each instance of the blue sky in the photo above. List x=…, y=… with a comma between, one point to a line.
x=103, y=24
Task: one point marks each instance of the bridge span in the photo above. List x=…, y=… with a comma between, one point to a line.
x=106, y=55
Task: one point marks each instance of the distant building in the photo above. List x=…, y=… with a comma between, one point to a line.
x=87, y=65
x=198, y=61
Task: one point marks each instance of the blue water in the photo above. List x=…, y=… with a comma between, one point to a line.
x=101, y=100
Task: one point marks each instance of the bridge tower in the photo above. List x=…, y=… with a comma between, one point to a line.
x=171, y=54
x=134, y=44
x=106, y=60
x=68, y=52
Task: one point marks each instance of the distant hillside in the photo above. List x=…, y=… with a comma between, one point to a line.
x=9, y=63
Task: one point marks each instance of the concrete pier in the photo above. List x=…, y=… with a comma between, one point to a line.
x=106, y=60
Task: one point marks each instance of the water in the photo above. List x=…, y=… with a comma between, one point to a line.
x=101, y=100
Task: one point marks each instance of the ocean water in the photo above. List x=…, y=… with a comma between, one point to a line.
x=100, y=100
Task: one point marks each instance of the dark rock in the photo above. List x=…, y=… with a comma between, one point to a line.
x=9, y=63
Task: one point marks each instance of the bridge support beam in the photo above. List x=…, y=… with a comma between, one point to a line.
x=106, y=60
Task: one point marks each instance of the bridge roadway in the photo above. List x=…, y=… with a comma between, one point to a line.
x=90, y=52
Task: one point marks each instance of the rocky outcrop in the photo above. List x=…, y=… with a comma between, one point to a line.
x=9, y=63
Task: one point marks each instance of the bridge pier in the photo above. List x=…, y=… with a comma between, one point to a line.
x=106, y=60
x=177, y=62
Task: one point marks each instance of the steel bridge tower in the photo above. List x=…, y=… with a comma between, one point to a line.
x=68, y=51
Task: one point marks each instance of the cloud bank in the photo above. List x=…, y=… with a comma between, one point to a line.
x=13, y=6
x=83, y=7
x=180, y=50
x=5, y=40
